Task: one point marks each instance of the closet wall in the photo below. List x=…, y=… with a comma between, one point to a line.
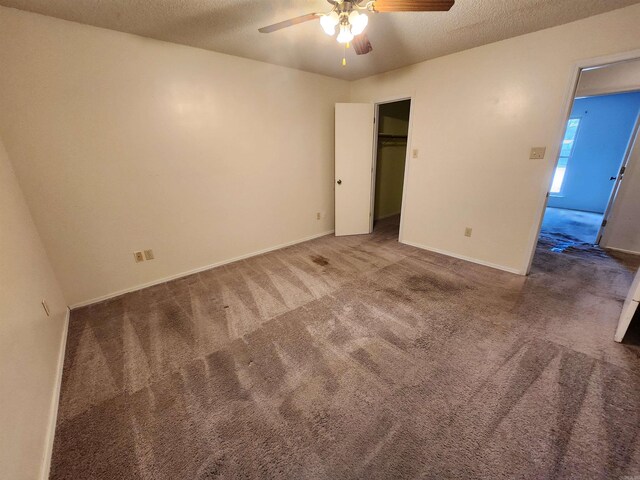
x=393, y=126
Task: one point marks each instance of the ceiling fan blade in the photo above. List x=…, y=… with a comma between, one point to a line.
x=361, y=44
x=412, y=5
x=289, y=23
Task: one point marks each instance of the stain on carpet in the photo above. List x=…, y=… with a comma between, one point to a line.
x=320, y=260
x=434, y=284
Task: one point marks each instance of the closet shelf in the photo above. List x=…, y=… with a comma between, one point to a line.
x=390, y=139
x=392, y=136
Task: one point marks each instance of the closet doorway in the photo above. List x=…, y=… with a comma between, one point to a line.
x=389, y=164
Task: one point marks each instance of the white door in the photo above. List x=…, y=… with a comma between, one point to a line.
x=354, y=164
x=628, y=309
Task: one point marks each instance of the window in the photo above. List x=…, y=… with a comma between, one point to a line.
x=565, y=155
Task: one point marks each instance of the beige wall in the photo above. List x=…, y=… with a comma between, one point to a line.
x=475, y=116
x=30, y=342
x=123, y=143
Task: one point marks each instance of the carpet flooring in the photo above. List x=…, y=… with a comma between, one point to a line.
x=357, y=358
x=581, y=226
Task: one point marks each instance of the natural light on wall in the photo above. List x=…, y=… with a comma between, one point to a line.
x=565, y=155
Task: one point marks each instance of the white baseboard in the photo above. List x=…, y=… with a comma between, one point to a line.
x=632, y=252
x=467, y=259
x=55, y=400
x=195, y=270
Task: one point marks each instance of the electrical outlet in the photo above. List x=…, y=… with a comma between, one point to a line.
x=467, y=231
x=138, y=256
x=537, y=153
x=414, y=153
x=318, y=216
x=45, y=305
x=148, y=254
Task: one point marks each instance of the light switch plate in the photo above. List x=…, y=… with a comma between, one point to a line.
x=148, y=254
x=414, y=153
x=138, y=256
x=537, y=153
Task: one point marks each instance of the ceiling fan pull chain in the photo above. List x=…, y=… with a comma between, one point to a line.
x=344, y=57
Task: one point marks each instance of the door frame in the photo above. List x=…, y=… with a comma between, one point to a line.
x=374, y=162
x=572, y=88
x=633, y=139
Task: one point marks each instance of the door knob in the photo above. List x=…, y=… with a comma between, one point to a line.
x=339, y=182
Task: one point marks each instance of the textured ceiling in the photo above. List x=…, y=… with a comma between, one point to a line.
x=399, y=39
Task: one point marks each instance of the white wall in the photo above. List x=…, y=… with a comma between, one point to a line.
x=30, y=342
x=123, y=143
x=616, y=78
x=475, y=116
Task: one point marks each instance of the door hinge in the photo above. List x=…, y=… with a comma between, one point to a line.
x=622, y=170
x=604, y=223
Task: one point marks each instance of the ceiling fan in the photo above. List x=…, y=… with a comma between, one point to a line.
x=348, y=18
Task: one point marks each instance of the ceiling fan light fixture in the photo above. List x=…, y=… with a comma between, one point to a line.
x=358, y=22
x=329, y=22
x=345, y=35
